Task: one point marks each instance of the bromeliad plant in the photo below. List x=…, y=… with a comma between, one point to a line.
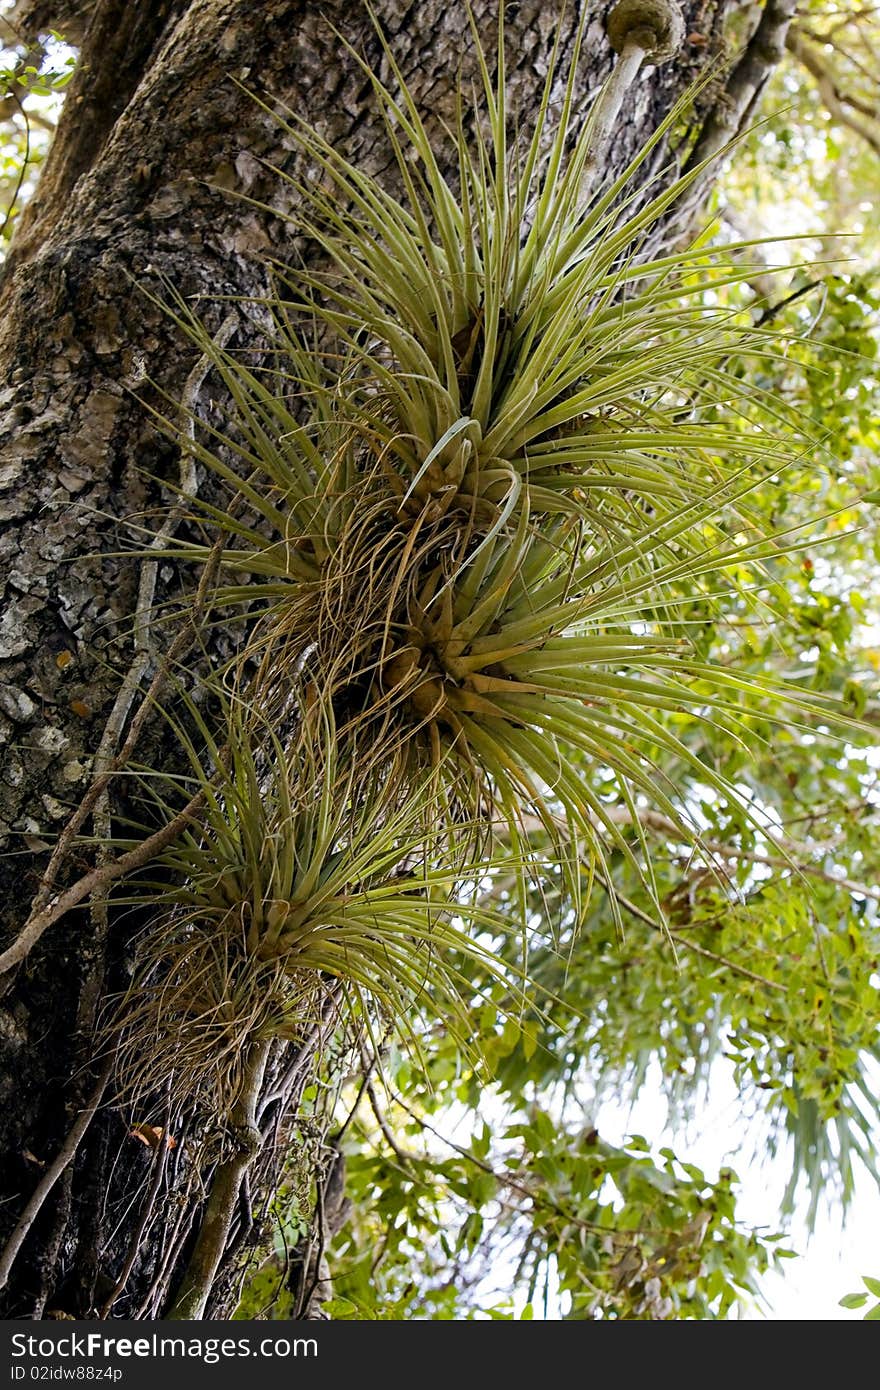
x=311, y=866
x=496, y=457
x=315, y=885
x=492, y=460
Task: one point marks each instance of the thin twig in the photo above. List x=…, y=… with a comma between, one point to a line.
x=159, y=1161
x=361, y=1092
x=303, y=1059
x=505, y=1180
x=65, y=1155
x=772, y=310
x=788, y=856
x=24, y=163
x=303, y=1303
x=727, y=963
x=858, y=103
x=400, y=1154
x=179, y=1237
x=840, y=107
x=96, y=880
x=635, y=911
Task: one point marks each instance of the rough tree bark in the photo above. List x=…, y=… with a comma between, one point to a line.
x=155, y=134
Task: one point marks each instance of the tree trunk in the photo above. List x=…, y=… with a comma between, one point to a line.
x=159, y=127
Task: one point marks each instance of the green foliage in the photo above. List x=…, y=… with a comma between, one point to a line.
x=858, y=1300
x=781, y=986
x=32, y=81
x=581, y=1228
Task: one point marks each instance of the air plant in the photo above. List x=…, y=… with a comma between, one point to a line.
x=496, y=453
x=492, y=456
x=308, y=870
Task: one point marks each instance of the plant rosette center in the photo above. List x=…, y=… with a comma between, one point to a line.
x=441, y=678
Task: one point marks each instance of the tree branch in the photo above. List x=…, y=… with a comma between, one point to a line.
x=677, y=940
x=857, y=103
x=841, y=107
x=773, y=310
x=739, y=97
x=96, y=880
x=159, y=1161
x=788, y=856
x=198, y=1279
x=65, y=1155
